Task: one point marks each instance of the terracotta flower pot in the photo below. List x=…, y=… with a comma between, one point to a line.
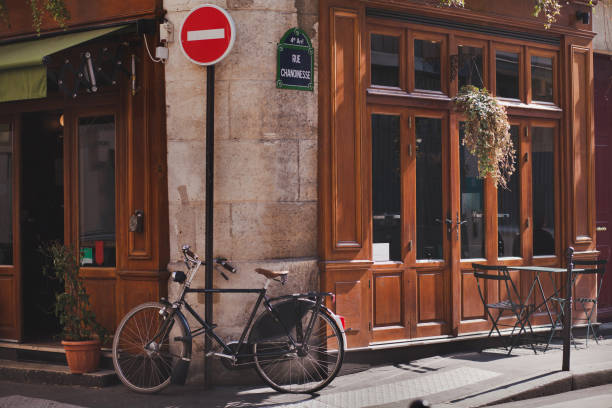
x=82, y=356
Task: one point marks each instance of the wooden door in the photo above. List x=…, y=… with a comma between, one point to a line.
x=10, y=273
x=603, y=174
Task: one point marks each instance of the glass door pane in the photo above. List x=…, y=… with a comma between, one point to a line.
x=472, y=205
x=386, y=188
x=6, y=195
x=543, y=188
x=509, y=209
x=430, y=219
x=97, y=190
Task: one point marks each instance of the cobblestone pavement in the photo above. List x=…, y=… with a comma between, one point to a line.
x=455, y=380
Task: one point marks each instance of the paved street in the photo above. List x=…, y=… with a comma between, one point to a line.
x=455, y=380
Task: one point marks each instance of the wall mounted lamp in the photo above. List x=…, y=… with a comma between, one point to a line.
x=584, y=16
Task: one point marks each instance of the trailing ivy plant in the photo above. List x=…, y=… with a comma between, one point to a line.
x=549, y=8
x=55, y=8
x=487, y=134
x=452, y=3
x=72, y=303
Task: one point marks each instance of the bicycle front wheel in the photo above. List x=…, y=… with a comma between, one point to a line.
x=143, y=355
x=306, y=367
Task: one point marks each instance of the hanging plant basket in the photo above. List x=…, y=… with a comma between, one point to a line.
x=487, y=134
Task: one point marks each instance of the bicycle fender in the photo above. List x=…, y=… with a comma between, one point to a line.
x=260, y=323
x=338, y=323
x=181, y=367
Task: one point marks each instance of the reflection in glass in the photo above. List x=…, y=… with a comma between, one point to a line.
x=97, y=190
x=507, y=74
x=470, y=66
x=386, y=188
x=542, y=79
x=427, y=65
x=385, y=60
x=509, y=209
x=472, y=205
x=429, y=188
x=6, y=196
x=543, y=180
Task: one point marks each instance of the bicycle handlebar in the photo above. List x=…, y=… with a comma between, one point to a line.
x=190, y=255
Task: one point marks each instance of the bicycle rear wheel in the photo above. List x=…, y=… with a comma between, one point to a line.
x=303, y=369
x=143, y=355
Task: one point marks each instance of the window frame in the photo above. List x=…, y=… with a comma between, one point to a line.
x=514, y=48
x=539, y=52
x=392, y=32
x=474, y=43
x=444, y=56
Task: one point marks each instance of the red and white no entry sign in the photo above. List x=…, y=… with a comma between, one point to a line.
x=207, y=34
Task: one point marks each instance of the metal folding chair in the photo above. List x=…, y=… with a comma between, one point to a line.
x=599, y=270
x=511, y=301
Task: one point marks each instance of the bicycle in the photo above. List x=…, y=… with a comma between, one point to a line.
x=296, y=344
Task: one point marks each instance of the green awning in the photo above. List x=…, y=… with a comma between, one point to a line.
x=22, y=72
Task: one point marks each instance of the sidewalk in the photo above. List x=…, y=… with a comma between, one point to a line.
x=456, y=380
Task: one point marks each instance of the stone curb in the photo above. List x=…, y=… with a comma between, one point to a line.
x=555, y=383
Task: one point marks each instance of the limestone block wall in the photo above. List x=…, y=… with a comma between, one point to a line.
x=602, y=25
x=265, y=160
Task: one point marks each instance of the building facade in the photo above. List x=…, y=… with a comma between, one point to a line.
x=360, y=187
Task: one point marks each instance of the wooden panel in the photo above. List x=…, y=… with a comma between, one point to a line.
x=582, y=139
x=430, y=289
x=81, y=13
x=8, y=316
x=388, y=299
x=134, y=288
x=348, y=304
x=471, y=304
x=346, y=131
x=138, y=164
x=102, y=300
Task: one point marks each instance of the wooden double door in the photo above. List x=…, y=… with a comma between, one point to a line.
x=433, y=216
x=57, y=183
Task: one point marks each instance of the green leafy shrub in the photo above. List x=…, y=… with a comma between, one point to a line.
x=487, y=134
x=72, y=304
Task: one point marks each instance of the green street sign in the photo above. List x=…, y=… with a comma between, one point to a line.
x=295, y=61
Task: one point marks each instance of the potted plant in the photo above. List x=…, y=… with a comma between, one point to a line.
x=81, y=333
x=487, y=134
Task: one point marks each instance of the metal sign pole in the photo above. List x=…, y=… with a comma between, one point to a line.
x=567, y=312
x=210, y=167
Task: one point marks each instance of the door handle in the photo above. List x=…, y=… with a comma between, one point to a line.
x=601, y=229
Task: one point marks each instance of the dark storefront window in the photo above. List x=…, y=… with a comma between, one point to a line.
x=472, y=205
x=385, y=60
x=429, y=188
x=97, y=190
x=427, y=65
x=507, y=74
x=6, y=195
x=543, y=187
x=386, y=188
x=470, y=66
x=509, y=209
x=541, y=79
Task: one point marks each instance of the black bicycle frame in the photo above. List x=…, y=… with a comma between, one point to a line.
x=209, y=329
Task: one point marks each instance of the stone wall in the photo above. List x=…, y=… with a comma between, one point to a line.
x=602, y=25
x=265, y=160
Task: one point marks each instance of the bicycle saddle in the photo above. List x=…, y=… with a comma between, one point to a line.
x=270, y=274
